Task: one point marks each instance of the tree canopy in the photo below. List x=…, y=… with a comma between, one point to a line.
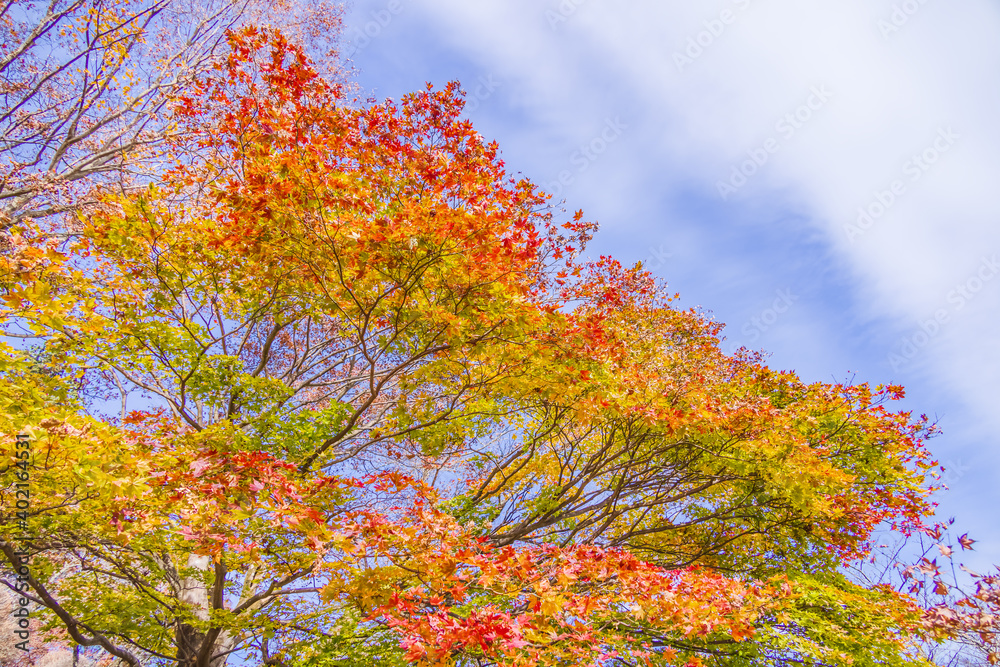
x=331, y=387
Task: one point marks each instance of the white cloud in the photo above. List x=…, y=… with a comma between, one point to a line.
x=703, y=84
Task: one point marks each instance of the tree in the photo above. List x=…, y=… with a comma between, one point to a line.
x=87, y=87
x=337, y=390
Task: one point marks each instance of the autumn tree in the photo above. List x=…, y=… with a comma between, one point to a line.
x=335, y=389
x=87, y=87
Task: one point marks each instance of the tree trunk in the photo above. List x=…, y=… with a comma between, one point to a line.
x=191, y=643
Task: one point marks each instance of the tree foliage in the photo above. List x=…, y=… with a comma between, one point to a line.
x=88, y=87
x=336, y=389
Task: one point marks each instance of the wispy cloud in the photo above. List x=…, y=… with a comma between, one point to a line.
x=857, y=146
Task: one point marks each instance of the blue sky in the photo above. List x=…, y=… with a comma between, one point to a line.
x=822, y=177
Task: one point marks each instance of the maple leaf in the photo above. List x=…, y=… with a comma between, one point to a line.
x=200, y=466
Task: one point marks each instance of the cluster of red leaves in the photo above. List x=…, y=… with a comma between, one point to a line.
x=383, y=180
x=217, y=498
x=528, y=604
x=580, y=602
